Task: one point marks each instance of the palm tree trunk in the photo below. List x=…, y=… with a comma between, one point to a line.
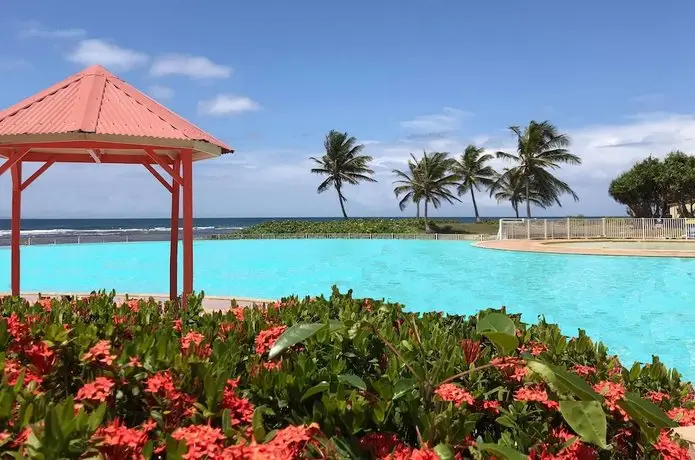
x=515, y=206
x=528, y=202
x=417, y=213
x=475, y=206
x=427, y=223
x=342, y=205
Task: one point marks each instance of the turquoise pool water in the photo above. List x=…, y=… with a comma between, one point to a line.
x=637, y=306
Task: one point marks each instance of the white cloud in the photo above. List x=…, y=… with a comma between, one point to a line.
x=31, y=29
x=445, y=122
x=161, y=92
x=227, y=104
x=190, y=66
x=95, y=51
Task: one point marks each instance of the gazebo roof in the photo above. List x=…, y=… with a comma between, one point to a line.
x=95, y=105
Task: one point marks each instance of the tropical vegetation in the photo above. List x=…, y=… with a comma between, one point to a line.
x=315, y=377
x=343, y=164
x=652, y=186
x=474, y=173
x=540, y=149
x=363, y=226
x=436, y=177
x=429, y=179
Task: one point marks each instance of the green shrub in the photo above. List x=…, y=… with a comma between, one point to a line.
x=340, y=226
x=319, y=378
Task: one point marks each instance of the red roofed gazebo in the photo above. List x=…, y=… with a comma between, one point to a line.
x=95, y=117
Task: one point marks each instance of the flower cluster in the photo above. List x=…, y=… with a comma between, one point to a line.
x=266, y=339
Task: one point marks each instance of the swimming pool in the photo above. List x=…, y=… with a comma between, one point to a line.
x=637, y=306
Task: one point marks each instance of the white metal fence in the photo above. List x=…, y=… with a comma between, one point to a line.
x=602, y=227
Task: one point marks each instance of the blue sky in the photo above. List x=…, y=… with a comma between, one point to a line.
x=271, y=78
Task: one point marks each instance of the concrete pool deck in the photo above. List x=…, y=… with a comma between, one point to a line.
x=556, y=247
x=210, y=303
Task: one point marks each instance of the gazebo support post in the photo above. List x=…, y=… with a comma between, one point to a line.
x=174, y=251
x=187, y=166
x=16, y=223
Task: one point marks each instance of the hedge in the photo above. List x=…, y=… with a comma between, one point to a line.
x=320, y=378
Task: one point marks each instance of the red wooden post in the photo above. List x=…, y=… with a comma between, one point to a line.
x=16, y=221
x=174, y=253
x=187, y=163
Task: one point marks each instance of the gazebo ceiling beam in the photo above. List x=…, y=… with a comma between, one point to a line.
x=86, y=158
x=84, y=144
x=13, y=160
x=95, y=154
x=36, y=175
x=159, y=177
x=160, y=161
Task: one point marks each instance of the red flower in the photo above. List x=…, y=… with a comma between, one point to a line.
x=534, y=347
x=424, y=453
x=455, y=394
x=100, y=353
x=45, y=303
x=684, y=417
x=202, y=441
x=192, y=343
x=238, y=313
x=13, y=370
x=537, y=394
x=241, y=409
x=471, y=350
x=669, y=449
x=134, y=305
x=178, y=325
x=492, y=406
x=657, y=396
x=120, y=442
x=161, y=384
x=17, y=329
x=612, y=393
x=380, y=445
x=134, y=361
x=266, y=339
x=506, y=363
x=97, y=391
x=41, y=357
x=583, y=371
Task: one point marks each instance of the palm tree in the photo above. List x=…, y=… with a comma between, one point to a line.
x=509, y=186
x=428, y=179
x=473, y=173
x=540, y=148
x=343, y=164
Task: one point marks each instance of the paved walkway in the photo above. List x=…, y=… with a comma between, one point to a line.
x=555, y=247
x=209, y=303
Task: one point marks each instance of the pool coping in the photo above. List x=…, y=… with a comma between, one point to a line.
x=210, y=303
x=553, y=247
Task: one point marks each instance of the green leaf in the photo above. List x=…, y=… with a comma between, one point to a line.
x=564, y=382
x=96, y=418
x=320, y=388
x=257, y=425
x=646, y=410
x=353, y=380
x=444, y=451
x=504, y=342
x=496, y=322
x=403, y=386
x=294, y=335
x=501, y=451
x=587, y=419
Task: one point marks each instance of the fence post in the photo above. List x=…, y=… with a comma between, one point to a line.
x=569, y=236
x=126, y=238
x=528, y=229
x=545, y=229
x=644, y=229
x=603, y=227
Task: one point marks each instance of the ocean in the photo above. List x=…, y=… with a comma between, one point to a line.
x=54, y=231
